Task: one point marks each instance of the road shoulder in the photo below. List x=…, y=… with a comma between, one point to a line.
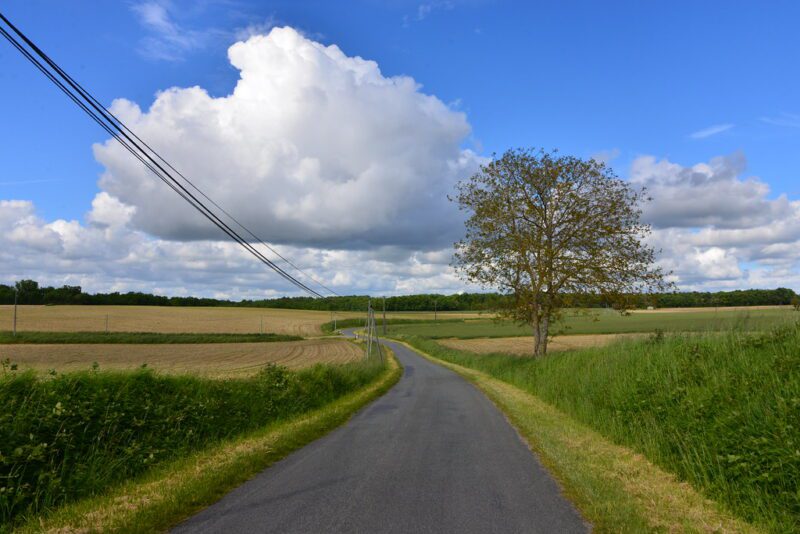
x=616, y=489
x=176, y=491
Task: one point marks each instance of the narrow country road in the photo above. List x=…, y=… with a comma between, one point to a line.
x=432, y=455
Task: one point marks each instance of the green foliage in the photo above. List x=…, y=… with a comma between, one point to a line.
x=544, y=227
x=73, y=435
x=721, y=411
x=146, y=338
x=32, y=293
x=747, y=297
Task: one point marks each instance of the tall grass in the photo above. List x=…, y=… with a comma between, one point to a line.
x=68, y=436
x=721, y=411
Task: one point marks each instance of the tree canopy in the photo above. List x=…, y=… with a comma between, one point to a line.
x=543, y=227
x=32, y=292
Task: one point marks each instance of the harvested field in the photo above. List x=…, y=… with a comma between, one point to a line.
x=213, y=359
x=165, y=319
x=524, y=345
x=176, y=319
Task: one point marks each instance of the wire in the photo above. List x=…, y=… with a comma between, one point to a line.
x=119, y=131
x=173, y=185
x=168, y=164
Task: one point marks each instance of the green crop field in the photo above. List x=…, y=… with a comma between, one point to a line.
x=611, y=322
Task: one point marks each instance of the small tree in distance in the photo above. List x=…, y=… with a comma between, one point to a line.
x=543, y=227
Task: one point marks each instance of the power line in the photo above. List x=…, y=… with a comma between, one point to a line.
x=122, y=125
x=101, y=116
x=119, y=131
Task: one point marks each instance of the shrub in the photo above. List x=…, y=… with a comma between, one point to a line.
x=67, y=436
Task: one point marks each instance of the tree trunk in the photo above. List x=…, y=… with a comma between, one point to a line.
x=537, y=339
x=541, y=328
x=544, y=329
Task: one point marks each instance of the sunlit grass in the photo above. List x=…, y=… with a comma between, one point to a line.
x=70, y=436
x=721, y=411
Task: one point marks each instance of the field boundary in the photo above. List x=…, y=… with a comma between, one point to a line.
x=615, y=488
x=173, y=492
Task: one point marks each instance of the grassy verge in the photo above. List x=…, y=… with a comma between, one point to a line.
x=76, y=435
x=136, y=338
x=173, y=492
x=721, y=412
x=617, y=490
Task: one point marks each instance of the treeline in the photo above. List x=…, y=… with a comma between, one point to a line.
x=747, y=297
x=30, y=292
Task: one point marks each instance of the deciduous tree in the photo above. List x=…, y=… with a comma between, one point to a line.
x=542, y=227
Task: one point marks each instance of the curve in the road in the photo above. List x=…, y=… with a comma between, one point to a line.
x=432, y=455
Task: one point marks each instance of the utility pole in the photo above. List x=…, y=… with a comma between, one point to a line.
x=384, y=316
x=369, y=328
x=369, y=307
x=16, y=293
x=334, y=321
x=262, y=325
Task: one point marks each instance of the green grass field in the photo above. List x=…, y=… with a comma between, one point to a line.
x=610, y=322
x=721, y=411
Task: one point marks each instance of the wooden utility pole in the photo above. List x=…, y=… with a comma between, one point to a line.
x=14, y=328
x=384, y=316
x=369, y=328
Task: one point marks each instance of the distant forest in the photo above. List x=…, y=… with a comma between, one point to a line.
x=30, y=292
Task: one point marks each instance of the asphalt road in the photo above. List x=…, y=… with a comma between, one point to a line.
x=432, y=455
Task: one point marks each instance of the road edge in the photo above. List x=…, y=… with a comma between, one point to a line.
x=614, y=488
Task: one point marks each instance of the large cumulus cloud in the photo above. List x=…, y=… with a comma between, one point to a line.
x=312, y=147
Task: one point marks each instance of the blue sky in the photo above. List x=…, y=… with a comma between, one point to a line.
x=682, y=81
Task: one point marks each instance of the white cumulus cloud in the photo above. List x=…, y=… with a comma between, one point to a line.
x=312, y=147
x=718, y=228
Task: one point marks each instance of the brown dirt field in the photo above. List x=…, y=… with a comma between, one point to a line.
x=214, y=359
x=524, y=345
x=169, y=319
